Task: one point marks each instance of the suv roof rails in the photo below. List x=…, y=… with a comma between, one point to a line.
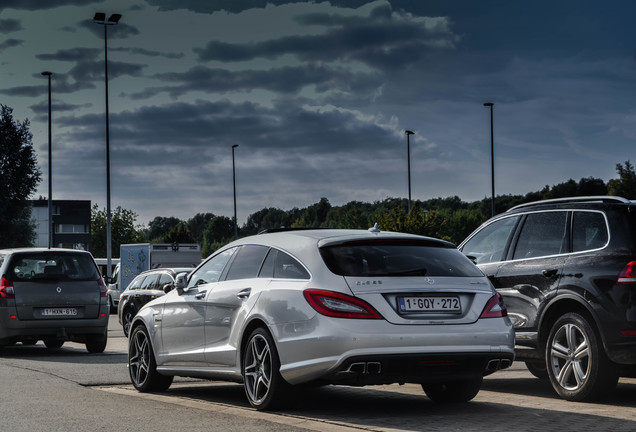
x=599, y=198
x=285, y=229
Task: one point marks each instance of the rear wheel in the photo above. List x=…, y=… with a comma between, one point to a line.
x=142, y=365
x=538, y=369
x=453, y=391
x=578, y=367
x=264, y=386
x=30, y=341
x=96, y=344
x=53, y=343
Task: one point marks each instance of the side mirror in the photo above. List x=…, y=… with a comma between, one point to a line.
x=181, y=282
x=168, y=287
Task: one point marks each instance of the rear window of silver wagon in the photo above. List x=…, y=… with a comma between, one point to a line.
x=397, y=258
x=60, y=266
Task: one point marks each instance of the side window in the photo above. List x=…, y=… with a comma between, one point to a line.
x=211, y=270
x=287, y=267
x=150, y=282
x=488, y=244
x=267, y=270
x=542, y=234
x=589, y=231
x=135, y=284
x=247, y=262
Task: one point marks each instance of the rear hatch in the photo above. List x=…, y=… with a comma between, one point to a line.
x=55, y=285
x=411, y=280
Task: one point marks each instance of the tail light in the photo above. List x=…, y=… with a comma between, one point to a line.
x=495, y=308
x=628, y=274
x=103, y=289
x=6, y=289
x=339, y=305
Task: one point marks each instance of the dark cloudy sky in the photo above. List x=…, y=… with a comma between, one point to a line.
x=318, y=95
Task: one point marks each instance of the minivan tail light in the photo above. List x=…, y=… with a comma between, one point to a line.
x=103, y=289
x=339, y=305
x=495, y=308
x=6, y=289
x=628, y=274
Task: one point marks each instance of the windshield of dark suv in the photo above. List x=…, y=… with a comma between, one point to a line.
x=61, y=266
x=397, y=258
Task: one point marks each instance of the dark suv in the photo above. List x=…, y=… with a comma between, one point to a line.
x=567, y=271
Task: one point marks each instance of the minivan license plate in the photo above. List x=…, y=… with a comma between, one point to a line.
x=59, y=311
x=429, y=304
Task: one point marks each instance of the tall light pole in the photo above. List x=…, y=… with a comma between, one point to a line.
x=408, y=161
x=492, y=155
x=50, y=221
x=234, y=184
x=100, y=18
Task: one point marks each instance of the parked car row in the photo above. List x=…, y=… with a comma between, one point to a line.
x=552, y=283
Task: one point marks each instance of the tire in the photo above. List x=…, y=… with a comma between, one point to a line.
x=31, y=341
x=96, y=344
x=578, y=367
x=111, y=302
x=264, y=387
x=538, y=369
x=453, y=391
x=53, y=343
x=127, y=318
x=142, y=365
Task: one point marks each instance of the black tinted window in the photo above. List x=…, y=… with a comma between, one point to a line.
x=211, y=270
x=62, y=266
x=150, y=283
x=488, y=245
x=397, y=259
x=542, y=234
x=247, y=262
x=280, y=265
x=589, y=231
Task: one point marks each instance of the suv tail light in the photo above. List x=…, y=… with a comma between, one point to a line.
x=103, y=289
x=495, y=308
x=628, y=274
x=338, y=305
x=6, y=289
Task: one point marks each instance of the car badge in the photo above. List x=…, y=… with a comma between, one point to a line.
x=59, y=290
x=429, y=281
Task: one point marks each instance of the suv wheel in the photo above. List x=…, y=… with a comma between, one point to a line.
x=577, y=365
x=537, y=368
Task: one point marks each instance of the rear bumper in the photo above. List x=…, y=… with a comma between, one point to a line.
x=13, y=329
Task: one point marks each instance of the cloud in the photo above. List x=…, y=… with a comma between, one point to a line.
x=149, y=53
x=234, y=6
x=41, y=5
x=10, y=43
x=9, y=25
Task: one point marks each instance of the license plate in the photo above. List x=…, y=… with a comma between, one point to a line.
x=59, y=311
x=429, y=304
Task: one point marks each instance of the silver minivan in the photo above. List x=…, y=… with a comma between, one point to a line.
x=53, y=295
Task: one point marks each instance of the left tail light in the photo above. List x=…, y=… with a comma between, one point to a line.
x=338, y=305
x=6, y=289
x=495, y=308
x=103, y=289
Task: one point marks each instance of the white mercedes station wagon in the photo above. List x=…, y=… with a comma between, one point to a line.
x=282, y=309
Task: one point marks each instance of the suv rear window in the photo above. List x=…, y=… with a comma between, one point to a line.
x=397, y=259
x=61, y=266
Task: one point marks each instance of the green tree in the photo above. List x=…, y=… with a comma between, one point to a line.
x=219, y=231
x=625, y=185
x=197, y=225
x=179, y=234
x=122, y=227
x=20, y=176
x=160, y=226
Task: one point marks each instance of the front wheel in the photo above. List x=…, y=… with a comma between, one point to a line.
x=142, y=366
x=537, y=368
x=264, y=386
x=53, y=343
x=453, y=391
x=96, y=344
x=127, y=318
x=578, y=367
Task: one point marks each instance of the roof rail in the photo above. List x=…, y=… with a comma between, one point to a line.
x=598, y=198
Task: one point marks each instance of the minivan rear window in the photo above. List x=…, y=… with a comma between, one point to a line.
x=397, y=259
x=60, y=266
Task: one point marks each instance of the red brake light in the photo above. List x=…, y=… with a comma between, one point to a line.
x=6, y=289
x=103, y=289
x=495, y=308
x=339, y=305
x=628, y=274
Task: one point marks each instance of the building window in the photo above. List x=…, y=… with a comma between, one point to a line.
x=71, y=229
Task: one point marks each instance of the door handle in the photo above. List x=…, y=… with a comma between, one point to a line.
x=245, y=293
x=550, y=273
x=200, y=295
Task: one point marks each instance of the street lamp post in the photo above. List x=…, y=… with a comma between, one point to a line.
x=100, y=18
x=50, y=203
x=234, y=184
x=408, y=162
x=492, y=156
